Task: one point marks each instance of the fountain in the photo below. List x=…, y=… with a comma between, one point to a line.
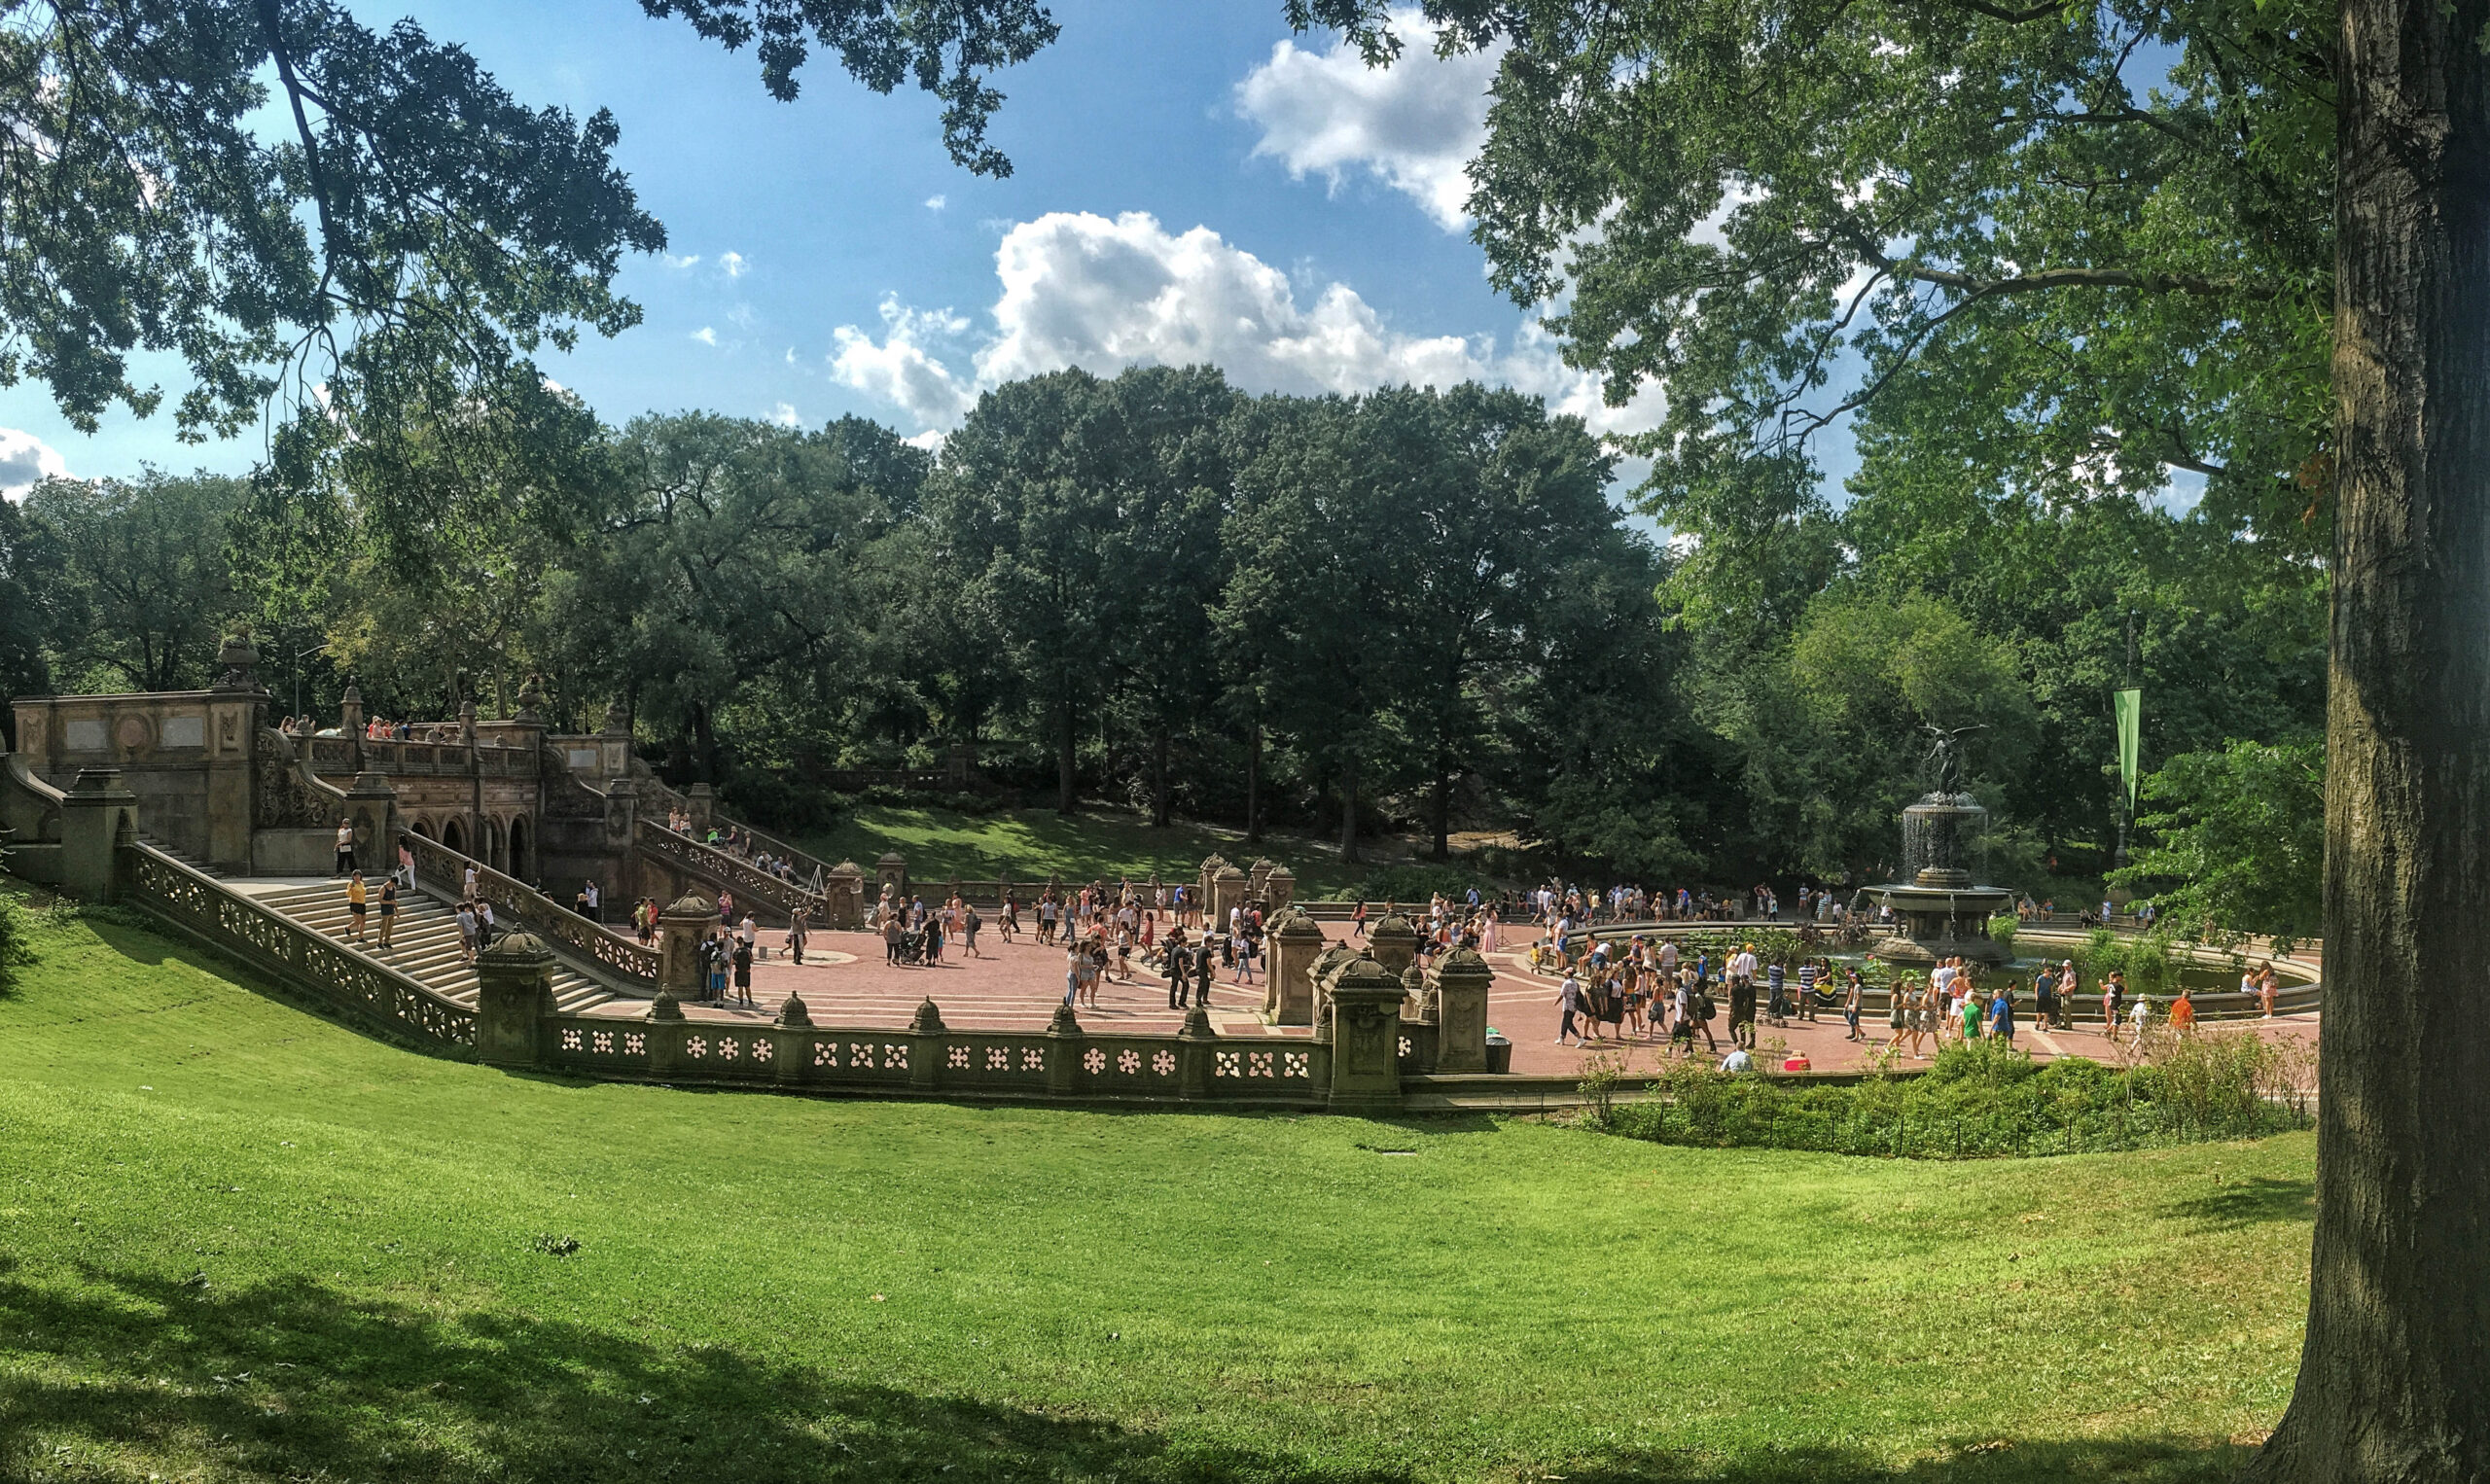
x=1937, y=912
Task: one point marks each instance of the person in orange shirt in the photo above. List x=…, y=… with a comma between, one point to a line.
x=2183, y=1014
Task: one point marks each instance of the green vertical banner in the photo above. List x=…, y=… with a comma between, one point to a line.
x=2129, y=706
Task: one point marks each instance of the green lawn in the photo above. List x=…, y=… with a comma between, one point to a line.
x=1095, y=844
x=237, y=1243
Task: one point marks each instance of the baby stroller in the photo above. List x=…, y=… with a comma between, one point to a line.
x=911, y=946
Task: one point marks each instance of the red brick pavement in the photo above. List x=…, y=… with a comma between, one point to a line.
x=1017, y=986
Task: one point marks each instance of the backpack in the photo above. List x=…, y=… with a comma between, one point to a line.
x=1704, y=1009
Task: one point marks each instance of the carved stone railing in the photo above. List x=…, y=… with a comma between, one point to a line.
x=516, y=902
x=715, y=866
x=663, y=799
x=948, y=1063
x=336, y=756
x=333, y=974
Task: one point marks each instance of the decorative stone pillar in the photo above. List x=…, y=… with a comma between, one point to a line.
x=1366, y=1036
x=513, y=994
x=1462, y=979
x=1279, y=887
x=928, y=1038
x=793, y=1035
x=1065, y=1039
x=350, y=716
x=531, y=702
x=701, y=804
x=1194, y=1044
x=96, y=815
x=1258, y=873
x=891, y=870
x=1327, y=968
x=372, y=808
x=1296, y=943
x=844, y=889
x=614, y=743
x=467, y=724
x=1212, y=865
x=1394, y=942
x=680, y=929
x=1227, y=890
x=959, y=764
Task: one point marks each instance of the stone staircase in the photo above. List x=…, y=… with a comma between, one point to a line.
x=426, y=946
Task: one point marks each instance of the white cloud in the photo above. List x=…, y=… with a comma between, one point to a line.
x=705, y=334
x=1080, y=290
x=23, y=459
x=731, y=265
x=1415, y=126
x=931, y=440
x=784, y=416
x=691, y=262
x=937, y=201
x=898, y=370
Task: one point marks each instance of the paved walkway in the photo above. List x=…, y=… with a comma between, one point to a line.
x=1017, y=986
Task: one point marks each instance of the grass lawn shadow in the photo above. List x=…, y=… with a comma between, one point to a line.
x=292, y=1380
x=2251, y=1202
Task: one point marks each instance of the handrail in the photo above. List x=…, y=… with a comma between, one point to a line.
x=717, y=865
x=810, y=864
x=344, y=978
x=533, y=910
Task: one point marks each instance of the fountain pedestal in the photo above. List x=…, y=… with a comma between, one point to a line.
x=1939, y=913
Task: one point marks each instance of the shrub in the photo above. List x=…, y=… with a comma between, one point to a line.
x=1986, y=1101
x=2001, y=931
x=1407, y=884
x=16, y=952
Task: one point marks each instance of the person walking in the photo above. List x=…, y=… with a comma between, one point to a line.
x=891, y=935
x=1205, y=969
x=1850, y=998
x=358, y=902
x=467, y=931
x=743, y=973
x=1568, y=1003
x=2001, y=1013
x=388, y=910
x=970, y=922
x=346, y=847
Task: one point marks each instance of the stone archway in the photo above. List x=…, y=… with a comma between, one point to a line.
x=453, y=834
x=423, y=826
x=522, y=849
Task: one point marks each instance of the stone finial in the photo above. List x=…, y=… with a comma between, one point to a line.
x=1465, y=963
x=618, y=718
x=531, y=701
x=517, y=947
x=1064, y=1023
x=793, y=1013
x=467, y=722
x=350, y=708
x=847, y=868
x=690, y=904
x=1197, y=1026
x=666, y=1007
x=928, y=1021
x=239, y=661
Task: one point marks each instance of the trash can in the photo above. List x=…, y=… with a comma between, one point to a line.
x=1499, y=1054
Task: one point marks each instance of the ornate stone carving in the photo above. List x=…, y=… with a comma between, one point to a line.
x=281, y=796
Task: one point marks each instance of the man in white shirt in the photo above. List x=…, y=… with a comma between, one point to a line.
x=1742, y=964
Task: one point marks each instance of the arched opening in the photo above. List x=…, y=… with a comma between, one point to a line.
x=522, y=859
x=453, y=834
x=423, y=826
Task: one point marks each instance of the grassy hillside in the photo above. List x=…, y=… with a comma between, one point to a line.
x=1096, y=844
x=240, y=1244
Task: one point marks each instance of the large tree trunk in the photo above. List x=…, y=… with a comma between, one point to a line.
x=1063, y=780
x=2395, y=1376
x=1254, y=787
x=1442, y=809
x=1159, y=778
x=1349, y=811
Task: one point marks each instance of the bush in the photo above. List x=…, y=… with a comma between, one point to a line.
x=1407, y=884
x=1984, y=1101
x=2001, y=931
x=15, y=951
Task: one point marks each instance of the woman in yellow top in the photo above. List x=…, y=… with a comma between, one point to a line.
x=356, y=898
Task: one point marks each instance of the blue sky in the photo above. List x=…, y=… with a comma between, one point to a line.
x=1183, y=192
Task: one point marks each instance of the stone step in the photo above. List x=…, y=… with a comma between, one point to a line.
x=426, y=944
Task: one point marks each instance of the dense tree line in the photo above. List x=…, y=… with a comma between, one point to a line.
x=1410, y=609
